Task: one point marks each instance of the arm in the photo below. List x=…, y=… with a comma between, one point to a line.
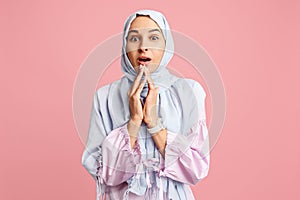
x=187, y=156
x=108, y=157
x=133, y=127
x=118, y=159
x=187, y=161
x=160, y=140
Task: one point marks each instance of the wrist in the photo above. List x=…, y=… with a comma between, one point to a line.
x=135, y=122
x=157, y=127
x=152, y=123
x=133, y=128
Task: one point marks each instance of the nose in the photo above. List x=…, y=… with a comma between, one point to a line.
x=143, y=46
x=143, y=49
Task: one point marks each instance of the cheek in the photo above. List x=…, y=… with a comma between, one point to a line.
x=131, y=48
x=158, y=54
x=159, y=50
x=158, y=47
x=130, y=56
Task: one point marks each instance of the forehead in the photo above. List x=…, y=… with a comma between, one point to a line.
x=143, y=22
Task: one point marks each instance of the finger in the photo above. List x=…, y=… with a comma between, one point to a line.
x=140, y=87
x=137, y=79
x=141, y=102
x=149, y=78
x=136, y=82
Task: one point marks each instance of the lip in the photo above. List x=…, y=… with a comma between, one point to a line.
x=143, y=62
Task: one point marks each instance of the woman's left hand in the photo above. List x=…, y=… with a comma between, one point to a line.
x=149, y=109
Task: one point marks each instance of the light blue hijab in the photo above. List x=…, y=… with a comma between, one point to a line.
x=161, y=71
x=118, y=100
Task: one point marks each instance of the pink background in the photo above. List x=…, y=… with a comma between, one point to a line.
x=255, y=45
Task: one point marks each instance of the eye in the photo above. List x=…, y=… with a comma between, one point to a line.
x=154, y=37
x=133, y=39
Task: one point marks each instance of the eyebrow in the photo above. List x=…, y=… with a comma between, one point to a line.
x=136, y=31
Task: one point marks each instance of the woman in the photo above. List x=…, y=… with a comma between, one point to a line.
x=148, y=133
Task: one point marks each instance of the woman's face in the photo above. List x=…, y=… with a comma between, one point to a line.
x=145, y=43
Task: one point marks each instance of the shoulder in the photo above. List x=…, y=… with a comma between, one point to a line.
x=194, y=85
x=104, y=90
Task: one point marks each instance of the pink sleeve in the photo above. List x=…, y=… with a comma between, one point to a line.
x=187, y=157
x=118, y=159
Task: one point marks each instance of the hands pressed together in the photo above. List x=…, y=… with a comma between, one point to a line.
x=146, y=113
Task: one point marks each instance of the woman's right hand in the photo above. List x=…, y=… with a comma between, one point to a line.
x=135, y=104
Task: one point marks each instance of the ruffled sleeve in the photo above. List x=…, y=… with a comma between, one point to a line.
x=118, y=159
x=108, y=156
x=187, y=155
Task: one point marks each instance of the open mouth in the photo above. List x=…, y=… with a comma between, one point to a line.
x=144, y=59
